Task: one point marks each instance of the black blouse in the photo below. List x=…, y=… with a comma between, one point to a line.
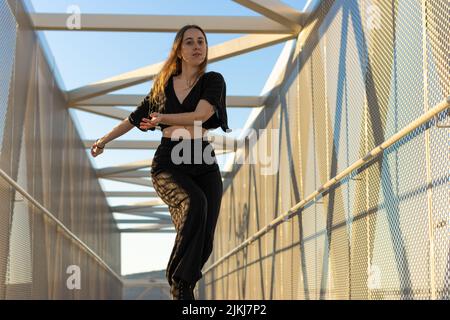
x=211, y=87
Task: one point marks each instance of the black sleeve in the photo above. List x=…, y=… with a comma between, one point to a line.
x=141, y=111
x=215, y=92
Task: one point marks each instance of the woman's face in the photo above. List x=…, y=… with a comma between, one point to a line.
x=193, y=47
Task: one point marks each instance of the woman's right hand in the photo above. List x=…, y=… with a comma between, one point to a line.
x=146, y=124
x=95, y=150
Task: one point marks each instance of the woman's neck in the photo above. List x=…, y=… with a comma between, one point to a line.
x=188, y=74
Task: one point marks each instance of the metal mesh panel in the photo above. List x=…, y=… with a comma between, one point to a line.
x=294, y=185
x=20, y=260
x=309, y=183
x=7, y=52
x=8, y=30
x=437, y=39
x=43, y=153
x=364, y=70
x=398, y=236
x=283, y=202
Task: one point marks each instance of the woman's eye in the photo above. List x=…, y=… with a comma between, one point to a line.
x=189, y=43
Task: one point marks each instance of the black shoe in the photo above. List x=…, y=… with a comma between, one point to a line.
x=181, y=290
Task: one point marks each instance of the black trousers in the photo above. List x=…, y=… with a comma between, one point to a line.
x=186, y=176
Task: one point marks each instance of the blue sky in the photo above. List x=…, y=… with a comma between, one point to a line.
x=85, y=57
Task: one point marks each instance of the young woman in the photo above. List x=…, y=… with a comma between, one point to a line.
x=185, y=101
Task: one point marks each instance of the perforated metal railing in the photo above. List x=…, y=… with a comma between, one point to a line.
x=74, y=254
x=432, y=118
x=8, y=30
x=20, y=268
x=7, y=53
x=362, y=73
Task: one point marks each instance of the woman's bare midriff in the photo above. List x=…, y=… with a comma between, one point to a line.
x=186, y=132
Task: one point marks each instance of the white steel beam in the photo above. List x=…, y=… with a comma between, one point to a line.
x=156, y=212
x=144, y=221
x=148, y=214
x=127, y=144
x=158, y=23
x=134, y=230
x=137, y=181
x=134, y=99
x=157, y=227
x=145, y=210
x=132, y=174
x=220, y=144
x=276, y=11
x=142, y=204
x=128, y=174
x=131, y=194
x=131, y=166
x=110, y=112
x=216, y=53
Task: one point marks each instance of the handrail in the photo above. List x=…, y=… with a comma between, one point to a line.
x=84, y=246
x=356, y=165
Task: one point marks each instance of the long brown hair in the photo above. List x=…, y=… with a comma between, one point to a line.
x=172, y=66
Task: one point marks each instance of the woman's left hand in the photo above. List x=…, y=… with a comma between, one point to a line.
x=147, y=123
x=156, y=118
